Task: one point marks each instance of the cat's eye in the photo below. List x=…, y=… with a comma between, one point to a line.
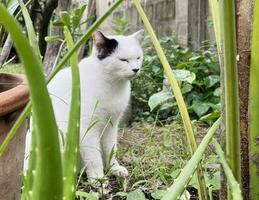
x=124, y=60
x=138, y=58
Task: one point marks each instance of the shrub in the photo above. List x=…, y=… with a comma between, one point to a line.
x=198, y=74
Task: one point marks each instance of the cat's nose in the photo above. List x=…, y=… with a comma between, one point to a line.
x=135, y=70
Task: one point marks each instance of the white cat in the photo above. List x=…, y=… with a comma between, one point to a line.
x=105, y=92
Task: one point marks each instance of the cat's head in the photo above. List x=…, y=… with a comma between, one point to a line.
x=120, y=56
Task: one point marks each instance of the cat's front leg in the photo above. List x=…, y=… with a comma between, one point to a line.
x=90, y=150
x=109, y=147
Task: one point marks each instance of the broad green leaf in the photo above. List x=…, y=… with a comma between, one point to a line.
x=184, y=75
x=195, y=58
x=217, y=92
x=175, y=173
x=121, y=194
x=89, y=196
x=214, y=181
x=210, y=117
x=158, y=99
x=200, y=108
x=186, y=88
x=158, y=194
x=136, y=195
x=212, y=80
x=65, y=17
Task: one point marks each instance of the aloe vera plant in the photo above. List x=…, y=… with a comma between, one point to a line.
x=47, y=181
x=48, y=168
x=61, y=64
x=253, y=107
x=71, y=149
x=178, y=96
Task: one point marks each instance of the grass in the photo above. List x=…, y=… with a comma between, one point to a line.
x=154, y=155
x=12, y=68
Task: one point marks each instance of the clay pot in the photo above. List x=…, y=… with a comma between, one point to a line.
x=14, y=95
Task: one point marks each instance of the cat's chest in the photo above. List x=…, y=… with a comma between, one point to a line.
x=112, y=102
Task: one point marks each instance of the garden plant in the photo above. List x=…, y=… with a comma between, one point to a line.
x=194, y=93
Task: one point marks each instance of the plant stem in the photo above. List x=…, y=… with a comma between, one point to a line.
x=231, y=88
x=178, y=96
x=71, y=150
x=233, y=184
x=253, y=107
x=175, y=191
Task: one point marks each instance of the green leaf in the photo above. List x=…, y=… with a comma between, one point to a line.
x=49, y=171
x=175, y=173
x=200, y=108
x=53, y=38
x=121, y=194
x=186, y=88
x=30, y=29
x=217, y=92
x=65, y=17
x=214, y=181
x=184, y=75
x=58, y=23
x=158, y=194
x=158, y=99
x=136, y=195
x=89, y=196
x=212, y=80
x=210, y=117
x=195, y=58
x=71, y=153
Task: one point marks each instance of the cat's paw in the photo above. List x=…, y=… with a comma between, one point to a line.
x=119, y=171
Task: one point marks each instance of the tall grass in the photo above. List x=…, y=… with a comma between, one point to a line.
x=178, y=96
x=254, y=108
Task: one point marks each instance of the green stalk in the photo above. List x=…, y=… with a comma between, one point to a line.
x=63, y=61
x=175, y=191
x=48, y=177
x=232, y=183
x=231, y=88
x=214, y=7
x=29, y=177
x=29, y=26
x=71, y=151
x=254, y=108
x=178, y=97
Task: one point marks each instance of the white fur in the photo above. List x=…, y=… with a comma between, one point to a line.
x=105, y=93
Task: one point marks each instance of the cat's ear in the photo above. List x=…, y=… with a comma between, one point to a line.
x=139, y=34
x=99, y=39
x=103, y=45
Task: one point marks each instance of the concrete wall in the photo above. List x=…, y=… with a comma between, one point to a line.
x=187, y=20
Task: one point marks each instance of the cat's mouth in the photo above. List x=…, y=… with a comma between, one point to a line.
x=132, y=76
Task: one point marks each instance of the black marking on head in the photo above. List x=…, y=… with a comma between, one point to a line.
x=104, y=45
